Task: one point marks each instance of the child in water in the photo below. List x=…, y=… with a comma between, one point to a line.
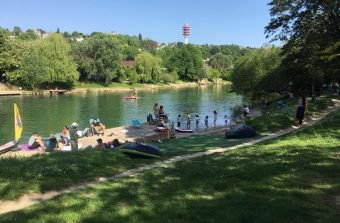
x=188, y=120
x=206, y=122
x=197, y=122
x=215, y=118
x=225, y=120
x=179, y=120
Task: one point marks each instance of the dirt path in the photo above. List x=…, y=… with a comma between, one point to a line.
x=31, y=199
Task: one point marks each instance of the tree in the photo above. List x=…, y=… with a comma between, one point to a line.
x=215, y=74
x=221, y=62
x=12, y=51
x=99, y=58
x=255, y=68
x=33, y=70
x=150, y=45
x=28, y=35
x=309, y=28
x=58, y=31
x=17, y=31
x=140, y=37
x=148, y=67
x=186, y=61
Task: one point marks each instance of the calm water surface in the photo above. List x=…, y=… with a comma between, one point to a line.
x=48, y=114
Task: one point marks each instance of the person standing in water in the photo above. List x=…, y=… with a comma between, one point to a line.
x=197, y=122
x=179, y=121
x=206, y=122
x=188, y=120
x=215, y=118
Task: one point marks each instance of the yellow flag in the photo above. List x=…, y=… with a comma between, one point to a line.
x=17, y=123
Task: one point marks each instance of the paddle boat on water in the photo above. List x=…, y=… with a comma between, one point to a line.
x=18, y=131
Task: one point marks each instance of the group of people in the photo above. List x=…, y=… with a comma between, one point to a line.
x=68, y=137
x=198, y=119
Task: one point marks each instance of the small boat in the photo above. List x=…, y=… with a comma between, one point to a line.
x=130, y=97
x=161, y=129
x=184, y=130
x=18, y=130
x=8, y=146
x=141, y=150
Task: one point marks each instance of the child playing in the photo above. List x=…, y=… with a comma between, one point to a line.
x=225, y=120
x=179, y=120
x=215, y=118
x=206, y=122
x=197, y=122
x=188, y=120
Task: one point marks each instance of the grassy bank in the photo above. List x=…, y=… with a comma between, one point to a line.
x=291, y=179
x=41, y=173
x=275, y=118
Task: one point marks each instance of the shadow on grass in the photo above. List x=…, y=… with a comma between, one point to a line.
x=258, y=184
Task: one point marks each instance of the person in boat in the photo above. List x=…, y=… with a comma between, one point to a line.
x=97, y=127
x=35, y=142
x=161, y=123
x=74, y=136
x=100, y=144
x=156, y=110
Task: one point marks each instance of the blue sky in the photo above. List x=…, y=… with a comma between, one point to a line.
x=212, y=21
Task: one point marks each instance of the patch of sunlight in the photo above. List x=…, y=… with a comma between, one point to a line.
x=322, y=186
x=71, y=216
x=168, y=179
x=322, y=164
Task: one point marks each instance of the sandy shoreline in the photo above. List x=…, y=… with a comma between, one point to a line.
x=140, y=87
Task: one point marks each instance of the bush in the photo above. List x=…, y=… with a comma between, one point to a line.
x=167, y=78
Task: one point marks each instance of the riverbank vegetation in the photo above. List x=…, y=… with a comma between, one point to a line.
x=64, y=60
x=294, y=178
x=308, y=60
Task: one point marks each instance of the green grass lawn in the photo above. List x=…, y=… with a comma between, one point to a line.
x=294, y=178
x=58, y=170
x=275, y=118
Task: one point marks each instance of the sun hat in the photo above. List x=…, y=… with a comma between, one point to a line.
x=74, y=124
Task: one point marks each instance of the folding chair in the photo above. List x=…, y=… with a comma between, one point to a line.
x=136, y=123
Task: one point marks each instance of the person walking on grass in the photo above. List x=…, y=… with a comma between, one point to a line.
x=188, y=120
x=197, y=122
x=301, y=109
x=215, y=118
x=206, y=123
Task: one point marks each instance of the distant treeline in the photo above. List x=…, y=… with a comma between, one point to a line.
x=309, y=58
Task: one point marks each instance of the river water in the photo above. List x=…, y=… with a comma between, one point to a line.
x=48, y=114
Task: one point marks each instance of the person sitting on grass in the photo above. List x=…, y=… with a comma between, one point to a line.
x=35, y=142
x=97, y=127
x=100, y=144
